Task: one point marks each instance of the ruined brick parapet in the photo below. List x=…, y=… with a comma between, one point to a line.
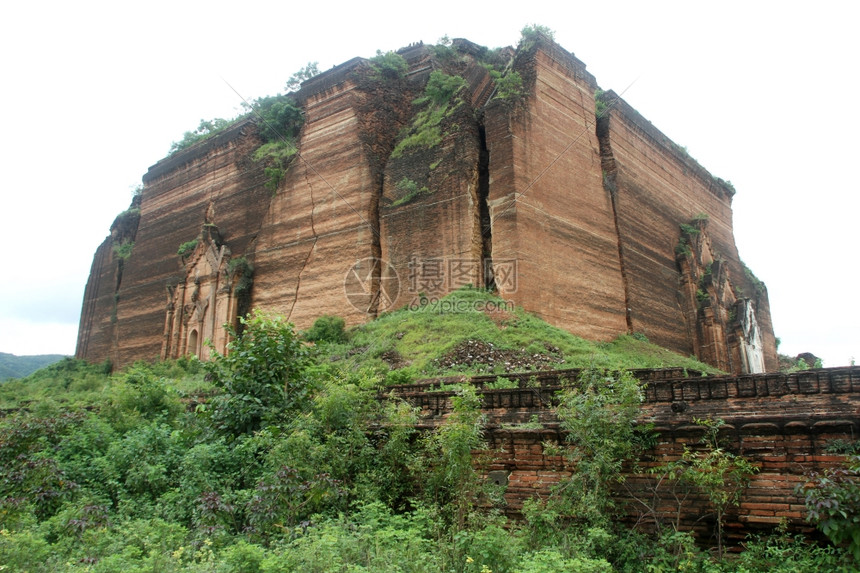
x=782, y=423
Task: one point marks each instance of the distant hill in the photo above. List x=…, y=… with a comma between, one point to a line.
x=12, y=366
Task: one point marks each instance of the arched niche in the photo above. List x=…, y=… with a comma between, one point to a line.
x=204, y=301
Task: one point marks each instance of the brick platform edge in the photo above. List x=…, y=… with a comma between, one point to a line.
x=780, y=422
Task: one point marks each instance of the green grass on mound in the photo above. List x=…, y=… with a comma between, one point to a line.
x=413, y=341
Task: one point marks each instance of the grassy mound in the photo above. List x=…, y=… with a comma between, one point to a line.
x=437, y=339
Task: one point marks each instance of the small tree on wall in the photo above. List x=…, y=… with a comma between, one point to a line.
x=721, y=475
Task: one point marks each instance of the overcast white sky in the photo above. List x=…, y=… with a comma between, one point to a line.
x=759, y=93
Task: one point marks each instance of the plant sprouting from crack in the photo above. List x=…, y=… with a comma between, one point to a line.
x=439, y=101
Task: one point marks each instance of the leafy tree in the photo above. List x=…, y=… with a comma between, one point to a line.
x=598, y=415
x=262, y=378
x=509, y=86
x=206, y=129
x=452, y=482
x=279, y=118
x=326, y=328
x=279, y=121
x=530, y=34
x=833, y=504
x=720, y=474
x=439, y=101
x=304, y=74
x=388, y=65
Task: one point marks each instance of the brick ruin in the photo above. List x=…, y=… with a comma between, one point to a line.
x=782, y=423
x=564, y=199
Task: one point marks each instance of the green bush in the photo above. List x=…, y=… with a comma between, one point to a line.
x=279, y=121
x=833, y=504
x=262, y=378
x=408, y=190
x=439, y=101
x=721, y=475
x=326, y=328
x=388, y=65
x=279, y=118
x=205, y=130
x=598, y=415
x=186, y=248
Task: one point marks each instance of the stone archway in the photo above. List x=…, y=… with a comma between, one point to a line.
x=200, y=305
x=193, y=343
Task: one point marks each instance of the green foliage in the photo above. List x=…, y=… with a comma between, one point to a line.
x=388, y=66
x=243, y=273
x=262, y=378
x=683, y=247
x=282, y=498
x=833, y=504
x=502, y=383
x=783, y=553
x=601, y=106
x=307, y=72
x=719, y=474
x=440, y=100
x=444, y=51
x=728, y=184
x=326, y=328
x=597, y=415
x=532, y=33
x=205, y=130
x=279, y=118
x=141, y=396
x=758, y=285
x=123, y=250
x=408, y=190
x=277, y=156
x=441, y=89
x=279, y=121
x=291, y=464
x=509, y=85
x=452, y=482
x=689, y=230
x=127, y=220
x=186, y=248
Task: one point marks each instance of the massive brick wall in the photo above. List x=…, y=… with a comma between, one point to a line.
x=582, y=216
x=214, y=182
x=656, y=187
x=320, y=221
x=782, y=423
x=549, y=210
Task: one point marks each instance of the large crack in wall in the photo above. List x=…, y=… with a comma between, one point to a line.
x=375, y=247
x=485, y=227
x=610, y=175
x=310, y=251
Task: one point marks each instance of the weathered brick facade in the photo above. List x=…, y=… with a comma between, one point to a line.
x=780, y=422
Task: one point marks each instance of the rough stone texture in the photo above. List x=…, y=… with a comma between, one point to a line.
x=780, y=422
x=549, y=211
x=433, y=240
x=575, y=218
x=656, y=187
x=320, y=222
x=214, y=182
